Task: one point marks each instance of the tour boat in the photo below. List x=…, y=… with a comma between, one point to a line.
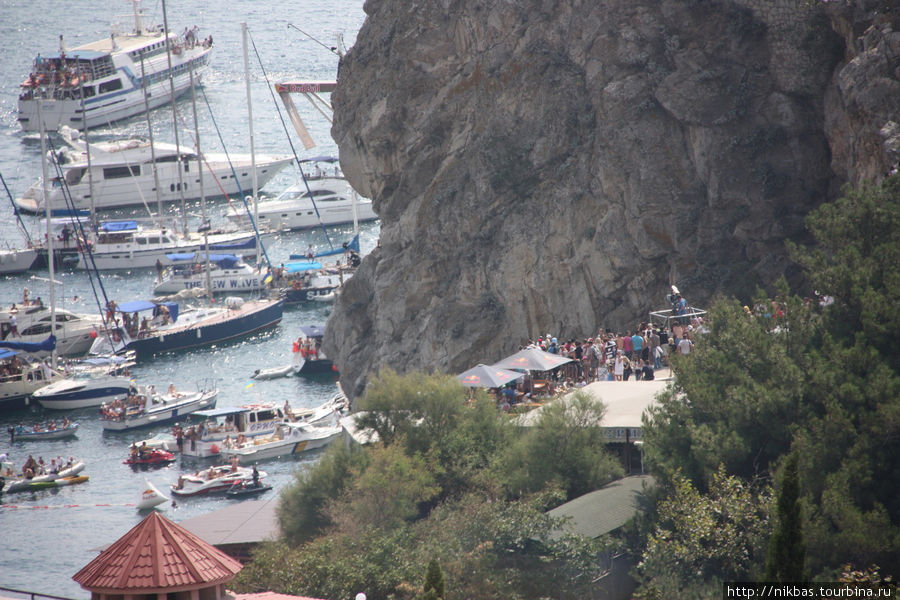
x=121, y=173
x=324, y=198
x=100, y=82
x=230, y=426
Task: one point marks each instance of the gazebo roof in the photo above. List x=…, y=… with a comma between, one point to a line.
x=157, y=555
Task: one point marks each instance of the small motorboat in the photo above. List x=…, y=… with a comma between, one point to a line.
x=213, y=480
x=273, y=373
x=149, y=456
x=152, y=408
x=243, y=489
x=48, y=431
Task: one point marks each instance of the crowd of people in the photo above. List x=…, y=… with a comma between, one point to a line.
x=610, y=355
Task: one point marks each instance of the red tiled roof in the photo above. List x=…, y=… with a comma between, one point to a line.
x=157, y=554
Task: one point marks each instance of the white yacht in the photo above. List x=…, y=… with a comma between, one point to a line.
x=295, y=208
x=121, y=174
x=91, y=383
x=21, y=376
x=129, y=245
x=227, y=273
x=75, y=333
x=107, y=76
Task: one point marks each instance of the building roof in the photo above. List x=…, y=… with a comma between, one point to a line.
x=625, y=402
x=157, y=555
x=245, y=522
x=603, y=510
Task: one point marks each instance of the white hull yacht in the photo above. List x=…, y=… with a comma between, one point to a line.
x=74, y=332
x=335, y=202
x=121, y=174
x=227, y=273
x=128, y=245
x=105, y=77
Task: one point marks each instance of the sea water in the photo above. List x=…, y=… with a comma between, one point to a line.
x=47, y=536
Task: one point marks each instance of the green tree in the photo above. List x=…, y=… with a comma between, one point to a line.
x=703, y=539
x=416, y=408
x=787, y=551
x=434, y=582
x=566, y=448
x=387, y=492
x=302, y=508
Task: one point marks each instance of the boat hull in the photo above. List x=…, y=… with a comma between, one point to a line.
x=17, y=261
x=263, y=315
x=84, y=398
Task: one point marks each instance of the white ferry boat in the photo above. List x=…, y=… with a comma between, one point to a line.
x=107, y=76
x=121, y=173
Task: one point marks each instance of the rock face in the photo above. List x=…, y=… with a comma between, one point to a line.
x=551, y=166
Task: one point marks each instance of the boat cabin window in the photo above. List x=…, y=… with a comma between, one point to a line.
x=103, y=67
x=110, y=86
x=120, y=172
x=166, y=159
x=38, y=329
x=264, y=415
x=89, y=91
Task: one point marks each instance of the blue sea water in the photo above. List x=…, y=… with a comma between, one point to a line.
x=49, y=535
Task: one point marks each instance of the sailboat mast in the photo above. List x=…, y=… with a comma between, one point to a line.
x=204, y=220
x=49, y=213
x=252, y=141
x=159, y=212
x=87, y=149
x=175, y=118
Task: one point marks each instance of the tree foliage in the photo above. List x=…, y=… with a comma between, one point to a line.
x=706, y=538
x=302, y=508
x=820, y=380
x=565, y=448
x=787, y=550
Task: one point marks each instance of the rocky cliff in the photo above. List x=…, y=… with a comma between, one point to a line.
x=552, y=165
